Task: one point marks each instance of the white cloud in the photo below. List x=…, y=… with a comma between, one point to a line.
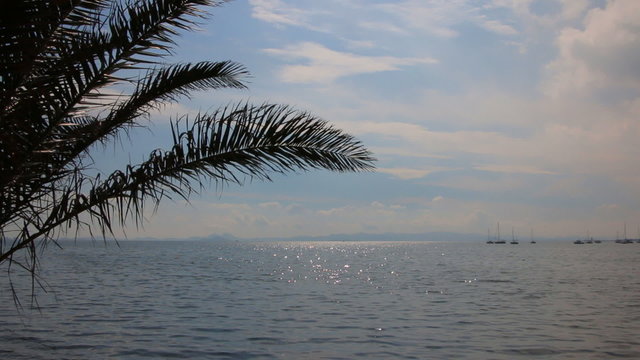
x=270, y=204
x=359, y=44
x=499, y=132
x=279, y=13
x=437, y=18
x=501, y=139
x=602, y=56
x=377, y=204
x=544, y=13
x=410, y=173
x=437, y=199
x=410, y=215
x=379, y=26
x=496, y=185
x=513, y=169
x=573, y=9
x=325, y=65
x=498, y=27
x=422, y=139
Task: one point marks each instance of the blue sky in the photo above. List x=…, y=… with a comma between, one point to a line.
x=518, y=111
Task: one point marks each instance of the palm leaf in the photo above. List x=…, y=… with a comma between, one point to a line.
x=231, y=145
x=57, y=57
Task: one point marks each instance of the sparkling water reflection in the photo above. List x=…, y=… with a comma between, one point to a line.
x=201, y=300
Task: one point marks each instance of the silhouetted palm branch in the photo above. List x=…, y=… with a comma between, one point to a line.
x=58, y=62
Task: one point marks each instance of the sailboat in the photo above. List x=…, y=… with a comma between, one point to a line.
x=532, y=241
x=513, y=238
x=618, y=241
x=489, y=241
x=626, y=240
x=588, y=239
x=498, y=240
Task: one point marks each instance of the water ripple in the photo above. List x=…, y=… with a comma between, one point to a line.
x=195, y=300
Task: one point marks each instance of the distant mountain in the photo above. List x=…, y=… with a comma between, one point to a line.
x=218, y=237
x=427, y=236
x=430, y=236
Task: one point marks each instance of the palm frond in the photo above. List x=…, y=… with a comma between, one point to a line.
x=57, y=57
x=80, y=67
x=31, y=30
x=236, y=143
x=167, y=84
x=146, y=29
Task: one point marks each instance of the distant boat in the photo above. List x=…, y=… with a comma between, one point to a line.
x=580, y=242
x=489, y=241
x=618, y=241
x=588, y=239
x=626, y=240
x=498, y=240
x=532, y=241
x=514, y=241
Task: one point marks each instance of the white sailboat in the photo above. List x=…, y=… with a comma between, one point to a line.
x=514, y=241
x=626, y=239
x=489, y=241
x=498, y=240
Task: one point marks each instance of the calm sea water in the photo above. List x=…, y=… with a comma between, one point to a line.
x=198, y=300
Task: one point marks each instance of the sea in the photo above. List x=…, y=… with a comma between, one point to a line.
x=326, y=300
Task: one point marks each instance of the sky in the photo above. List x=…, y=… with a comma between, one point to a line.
x=523, y=112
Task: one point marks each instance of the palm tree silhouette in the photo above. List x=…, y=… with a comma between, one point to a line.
x=58, y=58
